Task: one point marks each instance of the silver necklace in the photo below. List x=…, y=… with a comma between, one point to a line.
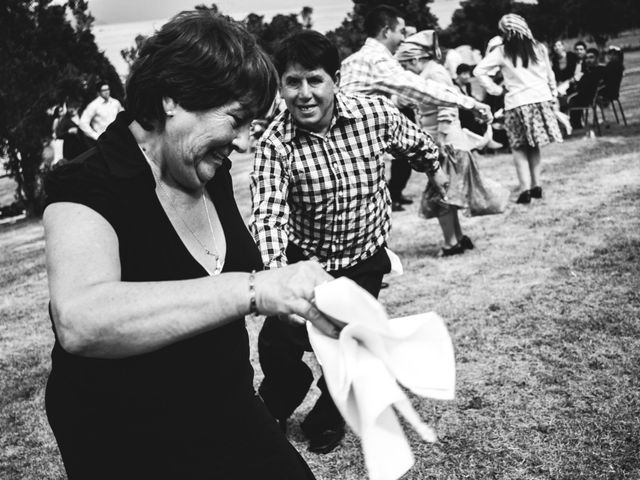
x=212, y=253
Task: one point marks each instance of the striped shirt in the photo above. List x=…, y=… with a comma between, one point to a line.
x=328, y=195
x=373, y=70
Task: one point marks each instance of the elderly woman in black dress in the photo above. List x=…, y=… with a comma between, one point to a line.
x=152, y=271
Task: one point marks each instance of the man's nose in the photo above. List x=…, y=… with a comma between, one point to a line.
x=242, y=142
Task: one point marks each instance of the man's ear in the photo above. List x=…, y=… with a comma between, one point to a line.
x=336, y=79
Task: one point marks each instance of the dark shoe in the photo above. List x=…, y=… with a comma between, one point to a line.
x=384, y=285
x=466, y=243
x=404, y=200
x=397, y=207
x=326, y=440
x=525, y=197
x=457, y=249
x=536, y=192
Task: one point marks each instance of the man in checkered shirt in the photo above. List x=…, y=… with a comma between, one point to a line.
x=319, y=192
x=373, y=70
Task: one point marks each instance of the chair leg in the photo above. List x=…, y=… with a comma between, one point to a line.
x=615, y=113
x=624, y=119
x=595, y=121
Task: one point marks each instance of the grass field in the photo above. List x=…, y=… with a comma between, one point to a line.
x=544, y=315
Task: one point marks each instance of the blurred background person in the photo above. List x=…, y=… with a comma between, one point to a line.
x=68, y=130
x=530, y=99
x=100, y=112
x=585, y=89
x=613, y=72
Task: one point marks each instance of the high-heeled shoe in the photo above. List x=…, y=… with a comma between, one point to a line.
x=525, y=197
x=536, y=192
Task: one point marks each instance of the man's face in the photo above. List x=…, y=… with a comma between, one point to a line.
x=105, y=92
x=396, y=35
x=464, y=78
x=591, y=59
x=309, y=96
x=580, y=51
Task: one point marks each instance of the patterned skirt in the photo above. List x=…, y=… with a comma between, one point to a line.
x=532, y=125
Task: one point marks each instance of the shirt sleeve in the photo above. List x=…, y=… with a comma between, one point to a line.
x=410, y=141
x=391, y=79
x=85, y=121
x=487, y=64
x=269, y=208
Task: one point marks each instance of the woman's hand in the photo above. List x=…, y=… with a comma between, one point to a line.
x=290, y=291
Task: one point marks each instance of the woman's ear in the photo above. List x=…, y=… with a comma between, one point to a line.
x=169, y=106
x=336, y=79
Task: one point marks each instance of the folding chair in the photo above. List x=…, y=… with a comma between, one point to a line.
x=612, y=98
x=592, y=108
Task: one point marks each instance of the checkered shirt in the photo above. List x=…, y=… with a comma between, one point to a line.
x=329, y=195
x=372, y=70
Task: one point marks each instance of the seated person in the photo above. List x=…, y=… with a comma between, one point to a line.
x=586, y=87
x=564, y=65
x=613, y=70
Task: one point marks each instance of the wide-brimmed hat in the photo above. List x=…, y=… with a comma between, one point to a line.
x=421, y=44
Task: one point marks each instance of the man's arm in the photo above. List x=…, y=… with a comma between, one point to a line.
x=392, y=79
x=270, y=210
x=411, y=142
x=85, y=122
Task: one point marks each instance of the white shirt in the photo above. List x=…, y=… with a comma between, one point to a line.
x=98, y=116
x=524, y=86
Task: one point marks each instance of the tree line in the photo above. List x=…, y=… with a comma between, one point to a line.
x=49, y=55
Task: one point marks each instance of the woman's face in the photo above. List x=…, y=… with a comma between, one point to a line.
x=558, y=47
x=196, y=143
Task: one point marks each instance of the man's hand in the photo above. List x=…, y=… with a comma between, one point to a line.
x=482, y=112
x=440, y=182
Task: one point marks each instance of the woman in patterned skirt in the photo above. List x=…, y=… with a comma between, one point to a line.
x=530, y=99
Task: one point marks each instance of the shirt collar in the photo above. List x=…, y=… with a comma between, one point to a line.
x=345, y=108
x=377, y=46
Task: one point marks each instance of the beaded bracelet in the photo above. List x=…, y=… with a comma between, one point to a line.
x=253, y=308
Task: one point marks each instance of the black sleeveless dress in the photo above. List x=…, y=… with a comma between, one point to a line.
x=186, y=411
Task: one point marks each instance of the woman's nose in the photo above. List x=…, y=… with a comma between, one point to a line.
x=242, y=142
x=305, y=91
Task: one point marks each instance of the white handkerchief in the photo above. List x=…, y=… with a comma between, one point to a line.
x=364, y=366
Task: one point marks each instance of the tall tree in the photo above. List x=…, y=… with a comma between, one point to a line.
x=48, y=54
x=476, y=21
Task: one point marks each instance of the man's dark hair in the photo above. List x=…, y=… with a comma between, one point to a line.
x=463, y=68
x=102, y=83
x=201, y=60
x=380, y=17
x=593, y=51
x=308, y=48
x=579, y=43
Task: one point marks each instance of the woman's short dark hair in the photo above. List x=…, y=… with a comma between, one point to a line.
x=310, y=49
x=380, y=17
x=201, y=60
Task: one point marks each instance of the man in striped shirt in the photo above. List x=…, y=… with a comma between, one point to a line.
x=319, y=192
x=373, y=70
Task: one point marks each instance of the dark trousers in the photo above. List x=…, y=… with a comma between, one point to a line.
x=400, y=168
x=400, y=173
x=281, y=345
